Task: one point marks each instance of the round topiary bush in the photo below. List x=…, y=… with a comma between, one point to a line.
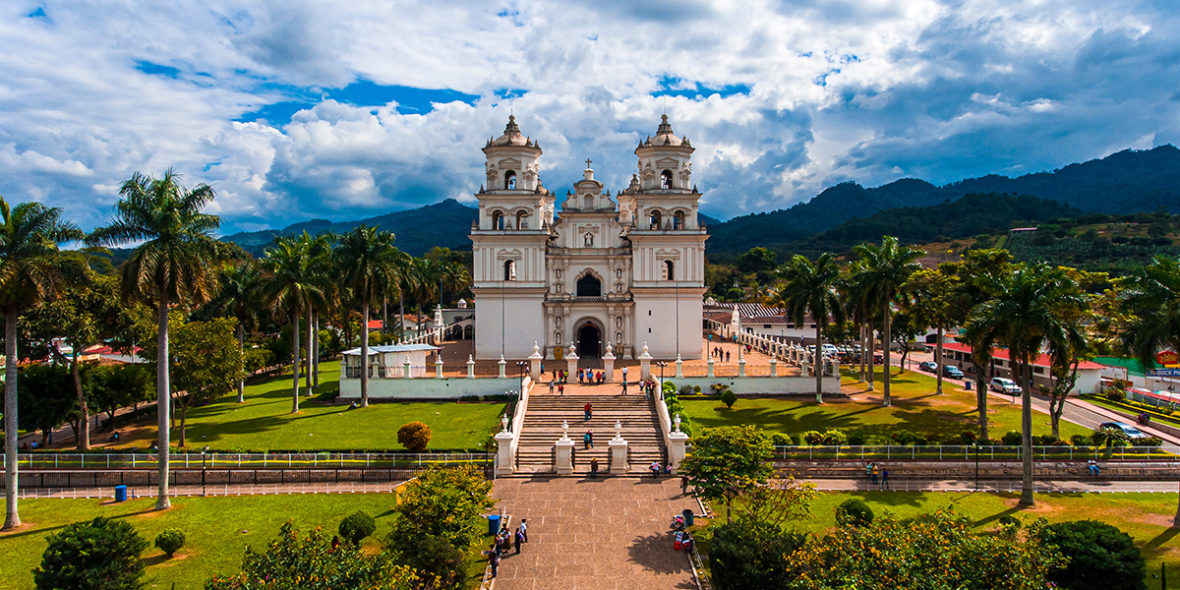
x=100, y=554
x=356, y=526
x=1100, y=556
x=1012, y=438
x=414, y=436
x=779, y=439
x=170, y=540
x=728, y=397
x=854, y=512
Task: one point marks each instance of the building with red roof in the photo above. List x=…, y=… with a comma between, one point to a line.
x=961, y=355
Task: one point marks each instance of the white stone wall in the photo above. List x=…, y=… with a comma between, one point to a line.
x=426, y=388
x=656, y=315
x=520, y=316
x=752, y=386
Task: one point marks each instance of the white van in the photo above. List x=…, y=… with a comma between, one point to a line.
x=1003, y=385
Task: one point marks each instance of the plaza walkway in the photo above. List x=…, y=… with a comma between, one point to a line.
x=594, y=534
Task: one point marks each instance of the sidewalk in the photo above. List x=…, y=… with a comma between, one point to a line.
x=1097, y=485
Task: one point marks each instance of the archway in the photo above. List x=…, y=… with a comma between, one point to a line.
x=589, y=286
x=589, y=341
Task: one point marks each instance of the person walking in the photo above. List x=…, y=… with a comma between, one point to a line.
x=624, y=380
x=519, y=540
x=885, y=478
x=655, y=469
x=587, y=411
x=561, y=389
x=588, y=440
x=493, y=558
x=551, y=387
x=594, y=468
x=524, y=529
x=727, y=356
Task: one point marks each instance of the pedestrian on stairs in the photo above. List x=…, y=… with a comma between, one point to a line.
x=588, y=439
x=588, y=411
x=594, y=468
x=561, y=389
x=550, y=387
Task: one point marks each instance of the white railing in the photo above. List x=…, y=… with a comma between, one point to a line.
x=1163, y=453
x=325, y=460
x=522, y=405
x=662, y=412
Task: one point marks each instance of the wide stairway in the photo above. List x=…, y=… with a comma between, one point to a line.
x=542, y=428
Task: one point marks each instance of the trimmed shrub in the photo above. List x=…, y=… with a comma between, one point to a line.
x=748, y=555
x=1116, y=395
x=968, y=437
x=101, y=554
x=1012, y=439
x=696, y=389
x=854, y=512
x=834, y=437
x=170, y=540
x=685, y=390
x=1154, y=441
x=668, y=388
x=779, y=439
x=1044, y=439
x=813, y=437
x=1100, y=556
x=356, y=526
x=431, y=554
x=728, y=397
x=1081, y=440
x=856, y=439
x=414, y=436
x=1009, y=521
x=902, y=438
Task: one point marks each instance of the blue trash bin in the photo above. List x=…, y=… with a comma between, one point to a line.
x=967, y=385
x=493, y=524
x=120, y=493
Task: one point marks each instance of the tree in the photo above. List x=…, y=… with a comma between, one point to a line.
x=297, y=562
x=173, y=264
x=750, y=555
x=759, y=261
x=978, y=269
x=727, y=461
x=369, y=263
x=206, y=362
x=46, y=398
x=883, y=270
x=238, y=297
x=1153, y=301
x=932, y=302
x=1099, y=556
x=294, y=284
x=938, y=550
x=1109, y=437
x=905, y=328
x=444, y=502
x=414, y=436
x=356, y=526
x=111, y=387
x=811, y=289
x=32, y=269
x=1029, y=307
x=102, y=554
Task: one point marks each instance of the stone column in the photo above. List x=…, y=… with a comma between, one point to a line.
x=470, y=367
x=503, y=364
x=571, y=361
x=618, y=451
x=645, y=363
x=608, y=364
x=710, y=363
x=504, y=458
x=677, y=441
x=535, y=362
x=438, y=366
x=564, y=451
x=438, y=324
x=406, y=367
x=741, y=361
x=773, y=367
x=679, y=367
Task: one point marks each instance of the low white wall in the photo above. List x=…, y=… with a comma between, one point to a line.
x=762, y=385
x=427, y=388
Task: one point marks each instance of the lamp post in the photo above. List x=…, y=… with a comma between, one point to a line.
x=661, y=365
x=976, y=444
x=520, y=365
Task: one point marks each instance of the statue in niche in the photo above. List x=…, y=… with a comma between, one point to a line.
x=588, y=239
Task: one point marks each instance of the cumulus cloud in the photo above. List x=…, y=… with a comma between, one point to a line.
x=301, y=109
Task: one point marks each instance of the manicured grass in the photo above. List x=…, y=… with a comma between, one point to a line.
x=218, y=530
x=1146, y=517
x=265, y=422
x=915, y=409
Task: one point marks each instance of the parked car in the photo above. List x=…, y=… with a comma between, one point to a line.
x=1131, y=432
x=928, y=366
x=1003, y=385
x=952, y=371
x=878, y=359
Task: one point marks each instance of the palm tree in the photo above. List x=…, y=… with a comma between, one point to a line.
x=32, y=269
x=932, y=294
x=884, y=269
x=407, y=282
x=173, y=265
x=972, y=275
x=292, y=286
x=1153, y=300
x=368, y=259
x=811, y=289
x=238, y=298
x=1033, y=306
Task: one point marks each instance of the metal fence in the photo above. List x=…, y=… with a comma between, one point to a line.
x=325, y=460
x=973, y=453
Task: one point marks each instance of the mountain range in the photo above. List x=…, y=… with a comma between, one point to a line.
x=1123, y=182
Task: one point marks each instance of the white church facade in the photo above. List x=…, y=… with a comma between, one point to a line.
x=622, y=271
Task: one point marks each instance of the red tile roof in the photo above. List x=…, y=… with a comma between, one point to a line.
x=1042, y=360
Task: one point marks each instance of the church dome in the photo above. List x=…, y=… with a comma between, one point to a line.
x=512, y=136
x=665, y=136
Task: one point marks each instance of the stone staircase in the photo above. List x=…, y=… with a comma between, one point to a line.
x=542, y=428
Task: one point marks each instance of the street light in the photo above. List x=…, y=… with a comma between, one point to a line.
x=520, y=389
x=661, y=365
x=976, y=444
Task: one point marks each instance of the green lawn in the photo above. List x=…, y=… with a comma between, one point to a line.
x=265, y=422
x=1146, y=517
x=915, y=408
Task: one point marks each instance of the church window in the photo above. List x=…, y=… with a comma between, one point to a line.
x=678, y=220
x=656, y=218
x=589, y=286
x=510, y=270
x=510, y=180
x=666, y=179
x=497, y=220
x=588, y=202
x=668, y=269
x=522, y=220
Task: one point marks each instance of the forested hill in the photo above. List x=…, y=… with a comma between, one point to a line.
x=1124, y=182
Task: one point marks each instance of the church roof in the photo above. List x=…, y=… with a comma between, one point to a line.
x=665, y=136
x=512, y=136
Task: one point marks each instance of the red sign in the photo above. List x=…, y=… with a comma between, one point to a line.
x=1167, y=357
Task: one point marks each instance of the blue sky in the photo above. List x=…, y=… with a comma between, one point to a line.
x=304, y=109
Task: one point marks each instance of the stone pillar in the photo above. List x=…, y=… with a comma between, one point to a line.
x=503, y=364
x=504, y=458
x=773, y=367
x=564, y=451
x=406, y=367
x=741, y=361
x=677, y=441
x=679, y=367
x=710, y=363
x=618, y=451
x=645, y=363
x=535, y=362
x=571, y=361
x=608, y=364
x=438, y=366
x=470, y=367
x=438, y=324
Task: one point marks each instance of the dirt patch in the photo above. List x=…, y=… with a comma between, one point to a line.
x=24, y=526
x=1041, y=508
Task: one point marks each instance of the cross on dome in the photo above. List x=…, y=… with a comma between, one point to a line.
x=587, y=163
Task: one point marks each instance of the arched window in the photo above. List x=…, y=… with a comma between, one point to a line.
x=522, y=220
x=589, y=286
x=666, y=179
x=669, y=271
x=510, y=270
x=510, y=180
x=656, y=218
x=497, y=220
x=678, y=220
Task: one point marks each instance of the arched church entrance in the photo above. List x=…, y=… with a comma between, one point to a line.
x=589, y=341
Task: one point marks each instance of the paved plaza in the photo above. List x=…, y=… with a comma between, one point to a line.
x=597, y=534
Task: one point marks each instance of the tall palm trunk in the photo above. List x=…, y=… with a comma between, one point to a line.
x=863, y=343
x=11, y=516
x=295, y=362
x=938, y=361
x=307, y=375
x=163, y=399
x=981, y=394
x=886, y=340
x=365, y=357
x=1026, y=459
x=316, y=355
x=401, y=308
x=819, y=365
x=241, y=334
x=83, y=434
x=872, y=347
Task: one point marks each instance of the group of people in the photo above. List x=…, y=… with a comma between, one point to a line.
x=877, y=475
x=656, y=469
x=722, y=356
x=591, y=377
x=504, y=541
